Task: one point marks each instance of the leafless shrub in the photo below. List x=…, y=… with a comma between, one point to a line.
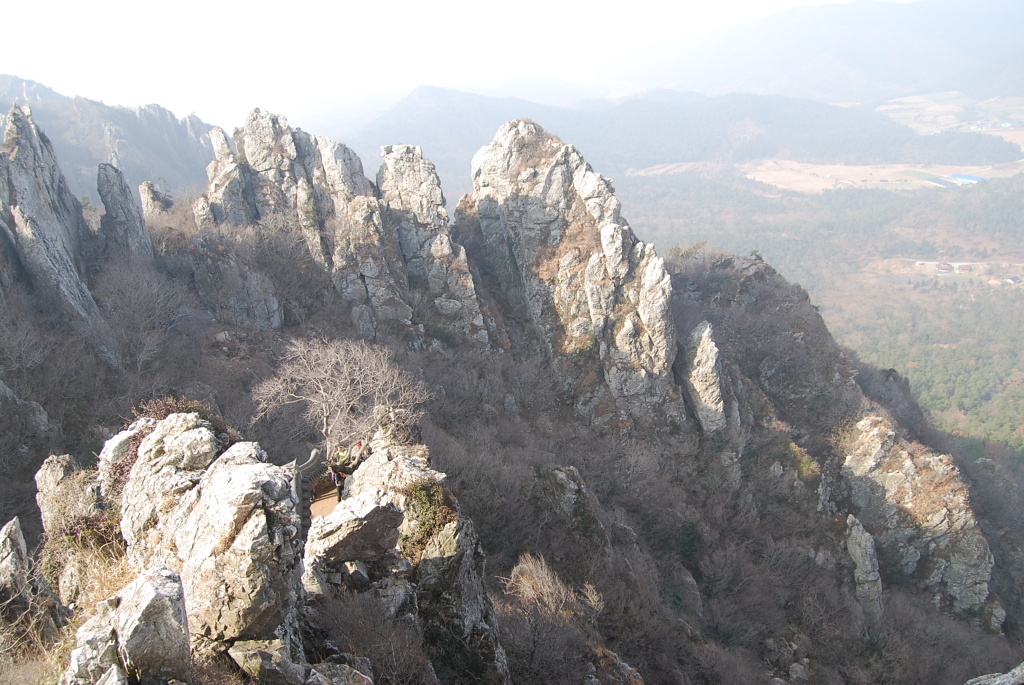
x=920, y=644
x=40, y=659
x=140, y=304
x=346, y=389
x=547, y=623
x=360, y=625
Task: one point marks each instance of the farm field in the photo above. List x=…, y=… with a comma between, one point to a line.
x=816, y=178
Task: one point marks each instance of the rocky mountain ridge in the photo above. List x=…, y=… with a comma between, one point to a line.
x=723, y=376
x=145, y=143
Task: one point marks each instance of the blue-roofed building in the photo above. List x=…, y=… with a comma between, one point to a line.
x=965, y=180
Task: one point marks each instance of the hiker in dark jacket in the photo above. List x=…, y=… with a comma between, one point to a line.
x=338, y=478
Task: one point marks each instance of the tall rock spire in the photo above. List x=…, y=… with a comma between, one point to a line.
x=568, y=274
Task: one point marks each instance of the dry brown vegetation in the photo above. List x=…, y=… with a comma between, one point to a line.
x=690, y=567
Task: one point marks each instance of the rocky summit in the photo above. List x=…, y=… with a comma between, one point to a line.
x=631, y=467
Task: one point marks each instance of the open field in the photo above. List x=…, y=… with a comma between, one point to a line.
x=816, y=178
x=954, y=111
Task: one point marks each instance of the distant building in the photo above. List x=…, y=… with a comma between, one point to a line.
x=965, y=268
x=965, y=180
x=1015, y=280
x=944, y=269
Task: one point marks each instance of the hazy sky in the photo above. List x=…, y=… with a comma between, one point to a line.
x=220, y=59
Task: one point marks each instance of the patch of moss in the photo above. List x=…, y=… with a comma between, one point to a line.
x=431, y=507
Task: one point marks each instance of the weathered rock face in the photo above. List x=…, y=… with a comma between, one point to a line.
x=916, y=505
x=437, y=267
x=227, y=522
x=122, y=226
x=142, y=631
x=433, y=565
x=42, y=220
x=61, y=495
x=570, y=277
x=704, y=380
x=25, y=598
x=268, y=661
x=278, y=170
x=32, y=419
x=866, y=579
x=234, y=293
x=154, y=203
x=388, y=254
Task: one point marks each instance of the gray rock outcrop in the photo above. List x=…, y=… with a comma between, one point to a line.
x=42, y=220
x=154, y=202
x=318, y=186
x=390, y=257
x=388, y=253
x=570, y=276
x=917, y=507
x=435, y=564
x=32, y=420
x=27, y=606
x=234, y=293
x=141, y=632
x=226, y=522
x=704, y=380
x=61, y=493
x=866, y=578
x=268, y=661
x=437, y=267
x=122, y=225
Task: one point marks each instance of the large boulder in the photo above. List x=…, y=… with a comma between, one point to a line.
x=422, y=557
x=225, y=520
x=64, y=492
x=142, y=631
x=268, y=662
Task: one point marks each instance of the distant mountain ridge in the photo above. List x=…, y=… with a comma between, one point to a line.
x=147, y=143
x=658, y=129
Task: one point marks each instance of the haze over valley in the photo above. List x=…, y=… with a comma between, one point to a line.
x=686, y=350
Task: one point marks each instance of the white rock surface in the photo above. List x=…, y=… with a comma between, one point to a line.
x=228, y=524
x=569, y=269
x=917, y=507
x=142, y=631
x=122, y=225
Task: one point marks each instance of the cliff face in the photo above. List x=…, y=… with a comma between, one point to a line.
x=40, y=217
x=917, y=506
x=568, y=275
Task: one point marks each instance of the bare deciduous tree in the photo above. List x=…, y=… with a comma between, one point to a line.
x=347, y=389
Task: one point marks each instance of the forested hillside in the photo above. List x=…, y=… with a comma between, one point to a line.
x=957, y=338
